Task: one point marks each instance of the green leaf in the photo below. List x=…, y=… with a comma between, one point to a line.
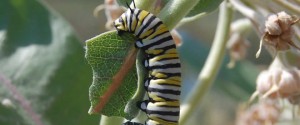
x=123, y=2
x=106, y=53
x=11, y=116
x=44, y=60
x=204, y=6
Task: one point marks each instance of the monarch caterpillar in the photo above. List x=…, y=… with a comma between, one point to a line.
x=162, y=62
x=131, y=123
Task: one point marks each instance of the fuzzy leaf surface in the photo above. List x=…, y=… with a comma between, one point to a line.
x=106, y=53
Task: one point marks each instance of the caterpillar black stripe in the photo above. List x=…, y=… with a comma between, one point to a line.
x=164, y=81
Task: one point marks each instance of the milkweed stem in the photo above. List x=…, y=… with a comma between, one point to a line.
x=212, y=64
x=111, y=120
x=143, y=4
x=288, y=5
x=175, y=10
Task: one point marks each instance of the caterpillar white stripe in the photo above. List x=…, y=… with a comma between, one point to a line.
x=164, y=81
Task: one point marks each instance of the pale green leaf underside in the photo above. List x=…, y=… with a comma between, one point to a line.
x=105, y=53
x=204, y=6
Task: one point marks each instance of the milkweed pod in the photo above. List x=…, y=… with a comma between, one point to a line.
x=237, y=46
x=279, y=32
x=272, y=25
x=286, y=20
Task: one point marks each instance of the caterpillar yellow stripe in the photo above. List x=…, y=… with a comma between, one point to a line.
x=162, y=61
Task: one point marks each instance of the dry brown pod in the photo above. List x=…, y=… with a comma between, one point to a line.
x=237, y=47
x=279, y=32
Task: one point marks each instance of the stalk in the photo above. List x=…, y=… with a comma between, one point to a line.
x=212, y=64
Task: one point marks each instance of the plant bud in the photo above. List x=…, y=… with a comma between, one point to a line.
x=112, y=11
x=263, y=113
x=275, y=83
x=264, y=82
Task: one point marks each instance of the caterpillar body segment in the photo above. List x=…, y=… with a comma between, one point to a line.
x=162, y=62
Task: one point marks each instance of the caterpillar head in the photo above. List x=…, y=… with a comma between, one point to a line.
x=121, y=24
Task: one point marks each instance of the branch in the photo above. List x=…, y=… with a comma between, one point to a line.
x=212, y=64
x=175, y=10
x=111, y=120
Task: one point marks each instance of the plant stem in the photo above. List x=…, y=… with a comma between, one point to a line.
x=143, y=4
x=191, y=19
x=175, y=10
x=256, y=18
x=292, y=7
x=111, y=120
x=212, y=64
x=280, y=61
x=297, y=32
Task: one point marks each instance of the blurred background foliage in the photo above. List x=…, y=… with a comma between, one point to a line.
x=42, y=58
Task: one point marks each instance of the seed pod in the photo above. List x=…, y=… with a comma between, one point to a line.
x=237, y=43
x=272, y=25
x=285, y=21
x=279, y=32
x=237, y=47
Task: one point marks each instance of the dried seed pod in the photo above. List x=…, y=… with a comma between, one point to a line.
x=237, y=47
x=285, y=20
x=237, y=43
x=279, y=32
x=272, y=25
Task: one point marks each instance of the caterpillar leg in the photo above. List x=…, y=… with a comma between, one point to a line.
x=160, y=113
x=132, y=123
x=143, y=105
